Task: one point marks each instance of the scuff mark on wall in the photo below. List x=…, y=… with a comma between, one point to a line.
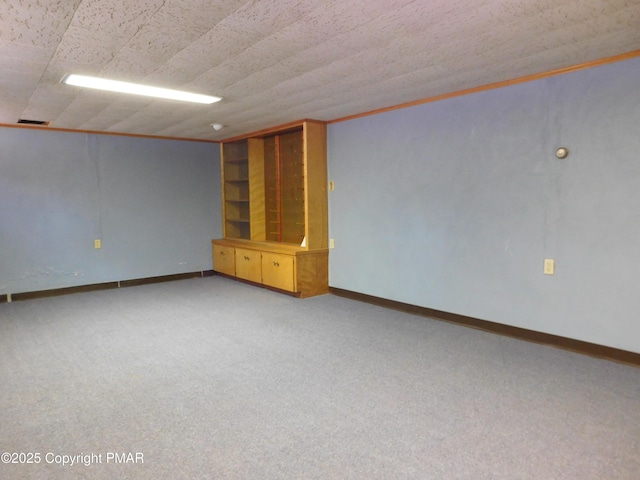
x=49, y=272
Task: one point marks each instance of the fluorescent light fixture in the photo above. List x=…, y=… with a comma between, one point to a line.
x=137, y=89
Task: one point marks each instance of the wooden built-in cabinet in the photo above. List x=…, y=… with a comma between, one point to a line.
x=248, y=264
x=224, y=259
x=278, y=270
x=274, y=188
x=289, y=268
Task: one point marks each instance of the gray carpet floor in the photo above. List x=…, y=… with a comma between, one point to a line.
x=212, y=379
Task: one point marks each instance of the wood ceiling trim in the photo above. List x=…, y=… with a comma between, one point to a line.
x=97, y=132
x=492, y=86
x=267, y=131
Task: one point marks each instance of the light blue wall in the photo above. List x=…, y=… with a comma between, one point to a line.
x=454, y=205
x=155, y=204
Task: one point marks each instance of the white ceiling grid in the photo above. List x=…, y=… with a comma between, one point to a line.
x=276, y=61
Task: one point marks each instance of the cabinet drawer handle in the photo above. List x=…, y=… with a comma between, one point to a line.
x=246, y=258
x=222, y=253
x=276, y=264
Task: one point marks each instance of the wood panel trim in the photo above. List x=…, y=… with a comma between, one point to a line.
x=315, y=178
x=261, y=285
x=255, y=150
x=565, y=343
x=273, y=247
x=163, y=278
x=273, y=130
x=223, y=192
x=492, y=86
x=96, y=132
x=63, y=291
x=103, y=286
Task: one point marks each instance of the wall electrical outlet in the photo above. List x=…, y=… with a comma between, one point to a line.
x=331, y=185
x=549, y=266
x=332, y=243
x=97, y=243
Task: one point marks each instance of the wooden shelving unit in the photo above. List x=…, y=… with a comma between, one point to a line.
x=235, y=190
x=275, y=209
x=284, y=188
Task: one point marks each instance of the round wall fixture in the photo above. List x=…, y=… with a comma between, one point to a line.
x=562, y=152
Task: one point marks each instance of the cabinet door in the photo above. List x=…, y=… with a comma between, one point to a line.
x=278, y=270
x=224, y=260
x=248, y=265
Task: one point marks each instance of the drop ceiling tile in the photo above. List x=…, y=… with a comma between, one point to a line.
x=201, y=13
x=279, y=60
x=120, y=18
x=129, y=66
x=162, y=38
x=262, y=18
x=10, y=110
x=86, y=47
x=30, y=71
x=39, y=23
x=49, y=99
x=77, y=113
x=30, y=53
x=13, y=88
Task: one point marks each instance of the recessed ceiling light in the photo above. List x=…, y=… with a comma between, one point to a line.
x=137, y=89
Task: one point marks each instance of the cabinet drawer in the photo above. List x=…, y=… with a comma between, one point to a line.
x=278, y=270
x=248, y=265
x=224, y=260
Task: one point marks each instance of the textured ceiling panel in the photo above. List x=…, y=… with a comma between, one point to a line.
x=38, y=23
x=276, y=61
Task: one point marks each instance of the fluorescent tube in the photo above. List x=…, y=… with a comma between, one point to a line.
x=137, y=89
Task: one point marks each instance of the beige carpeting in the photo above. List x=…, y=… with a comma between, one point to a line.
x=209, y=378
